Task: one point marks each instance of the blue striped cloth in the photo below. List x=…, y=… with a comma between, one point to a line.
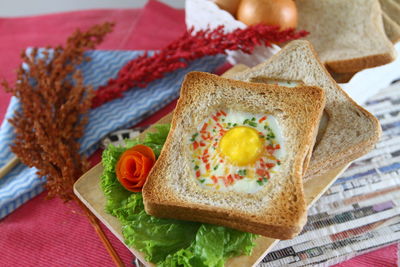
x=22, y=184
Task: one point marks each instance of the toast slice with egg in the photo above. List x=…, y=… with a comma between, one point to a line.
x=348, y=35
x=235, y=156
x=346, y=132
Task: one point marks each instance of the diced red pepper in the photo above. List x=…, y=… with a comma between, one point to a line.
x=214, y=178
x=262, y=119
x=238, y=177
x=195, y=145
x=203, y=129
x=208, y=166
x=261, y=172
x=230, y=179
x=223, y=113
x=198, y=173
x=206, y=136
x=269, y=165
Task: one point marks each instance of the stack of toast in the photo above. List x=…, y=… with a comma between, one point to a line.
x=239, y=149
x=351, y=35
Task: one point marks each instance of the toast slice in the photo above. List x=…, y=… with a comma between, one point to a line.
x=348, y=131
x=392, y=9
x=392, y=28
x=181, y=186
x=342, y=77
x=347, y=35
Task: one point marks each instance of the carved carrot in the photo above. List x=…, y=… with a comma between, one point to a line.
x=133, y=167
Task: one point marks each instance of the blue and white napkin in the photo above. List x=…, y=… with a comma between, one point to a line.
x=22, y=184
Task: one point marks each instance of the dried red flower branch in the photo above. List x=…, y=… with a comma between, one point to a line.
x=53, y=108
x=190, y=46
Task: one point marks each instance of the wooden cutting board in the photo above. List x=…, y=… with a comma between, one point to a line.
x=88, y=190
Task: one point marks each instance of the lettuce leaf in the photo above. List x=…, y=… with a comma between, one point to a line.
x=166, y=242
x=155, y=140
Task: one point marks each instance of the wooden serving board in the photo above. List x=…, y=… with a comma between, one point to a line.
x=88, y=190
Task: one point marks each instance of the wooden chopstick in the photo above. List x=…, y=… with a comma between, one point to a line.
x=96, y=225
x=9, y=165
x=92, y=218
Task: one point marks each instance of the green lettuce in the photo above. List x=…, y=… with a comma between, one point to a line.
x=166, y=242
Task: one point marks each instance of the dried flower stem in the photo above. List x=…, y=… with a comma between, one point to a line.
x=54, y=103
x=190, y=46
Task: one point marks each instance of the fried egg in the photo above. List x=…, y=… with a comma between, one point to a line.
x=236, y=151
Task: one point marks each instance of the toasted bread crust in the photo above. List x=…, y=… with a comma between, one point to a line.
x=341, y=77
x=278, y=210
x=346, y=49
x=345, y=115
x=353, y=65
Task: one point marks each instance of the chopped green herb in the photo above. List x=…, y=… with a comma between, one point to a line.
x=265, y=180
x=229, y=124
x=259, y=182
x=253, y=119
x=235, y=124
x=242, y=172
x=196, y=167
x=278, y=162
x=271, y=135
x=216, y=167
x=223, y=119
x=202, y=180
x=249, y=122
x=194, y=137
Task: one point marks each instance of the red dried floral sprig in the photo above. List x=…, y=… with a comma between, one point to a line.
x=144, y=69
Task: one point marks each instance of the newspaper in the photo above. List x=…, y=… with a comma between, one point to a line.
x=360, y=212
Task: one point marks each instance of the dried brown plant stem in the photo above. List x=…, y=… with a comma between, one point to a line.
x=54, y=105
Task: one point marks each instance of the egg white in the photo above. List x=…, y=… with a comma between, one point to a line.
x=248, y=183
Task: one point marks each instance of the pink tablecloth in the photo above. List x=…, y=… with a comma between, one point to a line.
x=49, y=232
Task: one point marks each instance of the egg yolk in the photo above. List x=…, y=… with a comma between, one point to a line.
x=241, y=145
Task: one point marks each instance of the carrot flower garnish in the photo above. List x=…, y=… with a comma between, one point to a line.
x=134, y=166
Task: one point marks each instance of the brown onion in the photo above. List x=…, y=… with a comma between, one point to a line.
x=282, y=13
